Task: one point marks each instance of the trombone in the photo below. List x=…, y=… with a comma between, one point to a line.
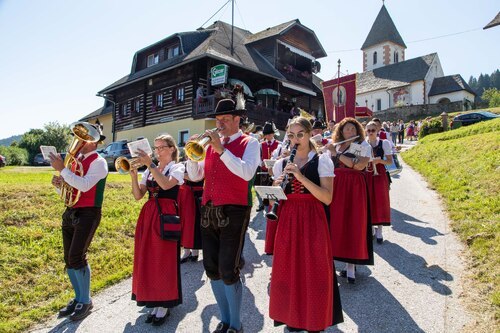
x=123, y=165
x=195, y=149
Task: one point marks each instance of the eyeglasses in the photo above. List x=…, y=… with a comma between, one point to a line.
x=299, y=135
x=159, y=148
x=370, y=131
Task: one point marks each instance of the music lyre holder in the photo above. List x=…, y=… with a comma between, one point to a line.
x=274, y=193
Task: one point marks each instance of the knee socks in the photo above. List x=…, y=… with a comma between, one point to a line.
x=220, y=297
x=379, y=231
x=234, y=294
x=351, y=269
x=83, y=278
x=74, y=282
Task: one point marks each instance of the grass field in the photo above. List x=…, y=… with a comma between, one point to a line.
x=463, y=165
x=33, y=284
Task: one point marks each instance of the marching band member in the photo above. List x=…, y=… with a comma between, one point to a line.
x=267, y=146
x=350, y=226
x=80, y=221
x=156, y=279
x=303, y=283
x=229, y=169
x=378, y=181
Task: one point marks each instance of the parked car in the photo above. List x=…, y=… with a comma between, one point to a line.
x=38, y=160
x=113, y=151
x=472, y=118
x=3, y=161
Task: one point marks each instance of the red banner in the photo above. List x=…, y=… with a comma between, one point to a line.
x=340, y=98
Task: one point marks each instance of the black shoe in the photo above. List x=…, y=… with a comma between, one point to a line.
x=149, y=318
x=68, y=309
x=233, y=330
x=221, y=328
x=343, y=273
x=380, y=240
x=81, y=311
x=193, y=258
x=184, y=260
x=159, y=321
x=351, y=280
x=260, y=208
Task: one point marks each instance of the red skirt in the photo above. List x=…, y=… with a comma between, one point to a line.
x=190, y=217
x=302, y=288
x=350, y=226
x=271, y=227
x=378, y=191
x=156, y=277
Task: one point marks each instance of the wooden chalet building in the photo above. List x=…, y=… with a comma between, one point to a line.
x=170, y=88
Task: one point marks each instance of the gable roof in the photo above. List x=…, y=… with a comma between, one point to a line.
x=494, y=22
x=383, y=29
x=213, y=42
x=395, y=75
x=448, y=84
x=107, y=109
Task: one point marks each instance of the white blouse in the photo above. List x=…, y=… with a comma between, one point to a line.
x=325, y=165
x=176, y=171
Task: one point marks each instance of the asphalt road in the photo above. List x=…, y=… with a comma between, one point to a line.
x=414, y=286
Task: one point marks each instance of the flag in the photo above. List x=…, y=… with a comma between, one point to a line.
x=340, y=97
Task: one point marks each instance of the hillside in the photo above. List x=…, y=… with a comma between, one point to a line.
x=8, y=141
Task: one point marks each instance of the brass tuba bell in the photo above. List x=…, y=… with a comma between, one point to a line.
x=83, y=133
x=195, y=150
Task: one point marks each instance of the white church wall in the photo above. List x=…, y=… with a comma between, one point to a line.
x=370, y=100
x=456, y=96
x=435, y=70
x=369, y=57
x=417, y=93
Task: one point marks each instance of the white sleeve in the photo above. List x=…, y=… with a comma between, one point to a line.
x=325, y=166
x=177, y=172
x=366, y=149
x=144, y=178
x=386, y=144
x=98, y=170
x=277, y=152
x=195, y=170
x=246, y=166
x=278, y=168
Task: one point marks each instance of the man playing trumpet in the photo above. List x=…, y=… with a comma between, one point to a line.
x=228, y=169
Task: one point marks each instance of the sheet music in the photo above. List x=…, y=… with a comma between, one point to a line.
x=46, y=150
x=355, y=148
x=143, y=144
x=270, y=192
x=269, y=163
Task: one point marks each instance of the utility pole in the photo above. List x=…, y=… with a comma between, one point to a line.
x=232, y=28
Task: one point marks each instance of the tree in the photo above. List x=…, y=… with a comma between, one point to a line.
x=492, y=96
x=53, y=134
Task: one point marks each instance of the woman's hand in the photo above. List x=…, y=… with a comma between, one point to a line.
x=376, y=160
x=332, y=149
x=294, y=170
x=144, y=158
x=279, y=180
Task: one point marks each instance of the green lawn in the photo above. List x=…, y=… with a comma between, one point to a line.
x=463, y=165
x=33, y=284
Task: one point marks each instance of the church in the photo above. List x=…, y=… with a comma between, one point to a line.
x=389, y=80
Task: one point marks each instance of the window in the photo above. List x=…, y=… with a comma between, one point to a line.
x=157, y=101
x=153, y=59
x=183, y=137
x=379, y=104
x=374, y=57
x=173, y=51
x=124, y=109
x=178, y=95
x=396, y=57
x=137, y=105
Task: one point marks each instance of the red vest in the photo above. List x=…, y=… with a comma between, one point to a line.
x=223, y=187
x=267, y=150
x=94, y=196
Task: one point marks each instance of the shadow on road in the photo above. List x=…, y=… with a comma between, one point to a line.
x=426, y=234
x=67, y=326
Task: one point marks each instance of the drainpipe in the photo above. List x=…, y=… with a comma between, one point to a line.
x=112, y=114
x=389, y=99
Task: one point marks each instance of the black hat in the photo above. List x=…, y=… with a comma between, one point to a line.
x=98, y=127
x=258, y=128
x=270, y=128
x=228, y=106
x=318, y=125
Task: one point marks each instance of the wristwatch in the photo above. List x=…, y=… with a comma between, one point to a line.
x=152, y=165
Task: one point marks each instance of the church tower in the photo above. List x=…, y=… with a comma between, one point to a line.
x=383, y=45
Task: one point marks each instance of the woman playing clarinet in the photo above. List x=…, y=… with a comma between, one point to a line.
x=304, y=292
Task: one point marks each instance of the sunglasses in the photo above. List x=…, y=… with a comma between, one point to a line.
x=370, y=131
x=299, y=135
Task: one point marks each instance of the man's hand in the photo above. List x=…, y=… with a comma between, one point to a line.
x=57, y=181
x=215, y=141
x=56, y=161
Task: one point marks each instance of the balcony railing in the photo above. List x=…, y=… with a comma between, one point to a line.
x=295, y=75
x=204, y=106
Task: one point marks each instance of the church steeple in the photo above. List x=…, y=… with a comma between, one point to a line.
x=383, y=45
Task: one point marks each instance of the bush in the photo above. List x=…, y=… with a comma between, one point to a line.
x=492, y=96
x=14, y=155
x=430, y=127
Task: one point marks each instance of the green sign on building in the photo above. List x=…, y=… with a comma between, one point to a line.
x=218, y=74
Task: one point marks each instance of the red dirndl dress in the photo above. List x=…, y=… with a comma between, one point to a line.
x=303, y=285
x=350, y=226
x=156, y=279
x=190, y=204
x=378, y=191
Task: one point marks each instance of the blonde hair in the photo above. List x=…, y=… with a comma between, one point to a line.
x=169, y=140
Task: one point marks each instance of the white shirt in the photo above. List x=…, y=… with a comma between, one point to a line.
x=244, y=167
x=176, y=171
x=366, y=149
x=98, y=170
x=386, y=145
x=325, y=165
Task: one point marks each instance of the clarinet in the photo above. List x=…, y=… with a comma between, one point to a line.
x=272, y=214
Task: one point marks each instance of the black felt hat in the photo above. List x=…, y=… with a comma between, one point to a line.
x=318, y=125
x=270, y=128
x=229, y=106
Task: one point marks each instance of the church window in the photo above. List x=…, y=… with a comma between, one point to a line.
x=374, y=57
x=396, y=57
x=379, y=104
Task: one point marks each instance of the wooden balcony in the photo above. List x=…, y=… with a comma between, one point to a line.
x=204, y=106
x=292, y=74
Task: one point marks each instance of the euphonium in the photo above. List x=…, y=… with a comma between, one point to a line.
x=123, y=165
x=195, y=150
x=83, y=133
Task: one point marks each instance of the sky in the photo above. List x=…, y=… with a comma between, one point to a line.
x=56, y=55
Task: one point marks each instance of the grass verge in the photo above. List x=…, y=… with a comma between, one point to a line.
x=463, y=165
x=33, y=284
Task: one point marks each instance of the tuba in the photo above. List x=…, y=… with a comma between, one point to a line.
x=195, y=150
x=83, y=133
x=123, y=165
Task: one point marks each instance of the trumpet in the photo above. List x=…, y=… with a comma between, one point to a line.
x=195, y=150
x=272, y=214
x=123, y=165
